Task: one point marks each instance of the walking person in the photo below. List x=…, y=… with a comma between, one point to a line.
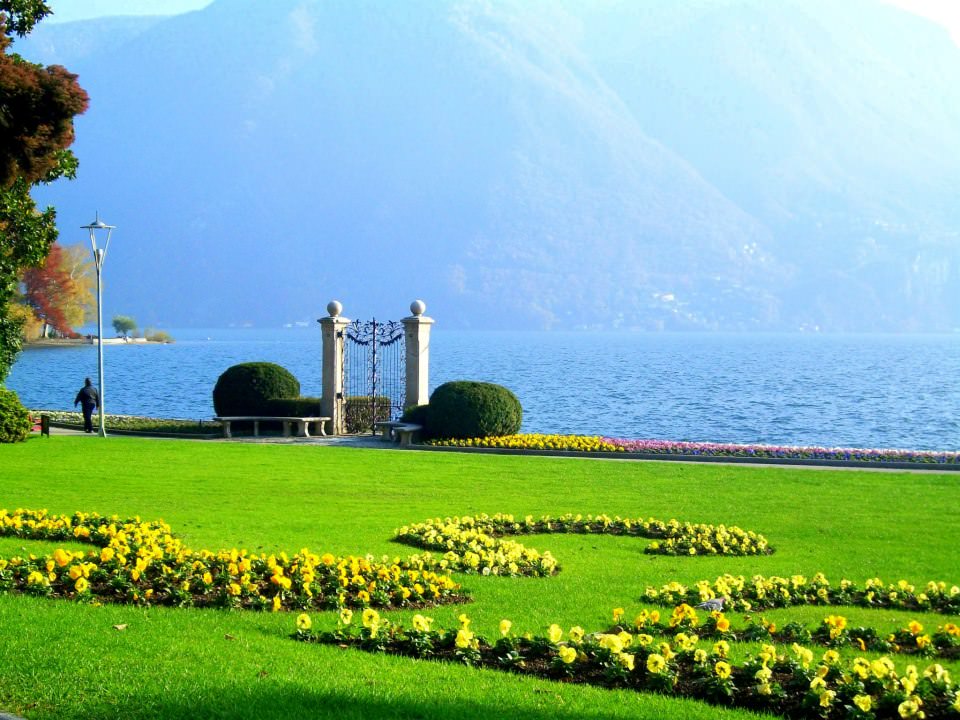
x=89, y=400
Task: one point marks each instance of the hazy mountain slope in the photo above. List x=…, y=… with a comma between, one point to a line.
x=639, y=164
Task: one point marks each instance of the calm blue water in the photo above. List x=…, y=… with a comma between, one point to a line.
x=863, y=391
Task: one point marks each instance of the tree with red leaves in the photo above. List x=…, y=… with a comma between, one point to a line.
x=37, y=107
x=48, y=291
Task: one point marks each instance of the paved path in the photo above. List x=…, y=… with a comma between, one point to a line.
x=367, y=441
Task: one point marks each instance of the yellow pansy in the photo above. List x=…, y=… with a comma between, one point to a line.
x=656, y=663
x=554, y=633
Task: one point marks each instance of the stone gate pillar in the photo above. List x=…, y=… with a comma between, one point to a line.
x=331, y=331
x=416, y=330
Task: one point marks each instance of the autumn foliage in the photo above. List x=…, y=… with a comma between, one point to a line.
x=59, y=292
x=39, y=105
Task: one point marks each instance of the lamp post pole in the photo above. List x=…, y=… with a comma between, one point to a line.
x=99, y=255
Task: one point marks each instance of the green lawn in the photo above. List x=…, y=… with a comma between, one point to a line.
x=65, y=660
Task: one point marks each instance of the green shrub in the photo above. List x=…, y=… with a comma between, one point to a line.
x=244, y=389
x=361, y=412
x=14, y=418
x=418, y=415
x=293, y=407
x=467, y=409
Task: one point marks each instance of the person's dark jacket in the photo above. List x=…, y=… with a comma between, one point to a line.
x=88, y=397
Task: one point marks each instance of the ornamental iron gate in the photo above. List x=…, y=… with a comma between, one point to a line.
x=374, y=373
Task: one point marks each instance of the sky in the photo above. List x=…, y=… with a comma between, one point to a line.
x=946, y=12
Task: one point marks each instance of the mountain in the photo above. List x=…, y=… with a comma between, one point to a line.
x=731, y=164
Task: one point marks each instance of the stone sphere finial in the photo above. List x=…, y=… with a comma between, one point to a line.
x=334, y=308
x=418, y=307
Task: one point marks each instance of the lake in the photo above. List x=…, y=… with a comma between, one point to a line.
x=889, y=391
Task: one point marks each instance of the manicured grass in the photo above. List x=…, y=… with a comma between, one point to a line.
x=60, y=659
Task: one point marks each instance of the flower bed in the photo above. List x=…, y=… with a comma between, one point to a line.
x=144, y=563
x=833, y=632
x=600, y=444
x=760, y=593
x=476, y=544
x=789, y=682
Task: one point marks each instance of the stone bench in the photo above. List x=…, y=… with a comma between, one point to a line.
x=398, y=431
x=303, y=423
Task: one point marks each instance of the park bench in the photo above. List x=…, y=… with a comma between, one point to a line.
x=303, y=423
x=398, y=431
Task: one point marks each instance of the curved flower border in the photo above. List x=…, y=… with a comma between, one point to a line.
x=790, y=682
x=144, y=563
x=478, y=544
x=602, y=444
x=761, y=592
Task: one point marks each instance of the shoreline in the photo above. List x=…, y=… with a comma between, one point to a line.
x=81, y=342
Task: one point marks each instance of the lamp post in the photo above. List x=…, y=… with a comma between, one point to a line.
x=99, y=255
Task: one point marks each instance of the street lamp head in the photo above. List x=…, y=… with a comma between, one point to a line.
x=98, y=224
x=92, y=228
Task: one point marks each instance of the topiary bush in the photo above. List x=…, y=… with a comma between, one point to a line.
x=14, y=418
x=467, y=409
x=245, y=389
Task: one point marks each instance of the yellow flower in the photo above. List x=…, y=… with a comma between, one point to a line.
x=723, y=624
x=464, y=637
x=505, y=626
x=826, y=698
x=464, y=620
x=831, y=657
x=721, y=648
x=421, y=623
x=722, y=670
x=576, y=634
x=915, y=628
x=626, y=659
x=864, y=702
x=62, y=557
x=346, y=616
x=554, y=633
x=612, y=643
x=371, y=618
x=567, y=654
x=923, y=641
x=617, y=614
x=81, y=585
x=106, y=554
x=304, y=622
x=910, y=708
x=879, y=668
x=655, y=663
x=861, y=668
x=276, y=603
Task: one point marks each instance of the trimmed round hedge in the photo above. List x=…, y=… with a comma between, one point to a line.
x=469, y=409
x=14, y=418
x=248, y=388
